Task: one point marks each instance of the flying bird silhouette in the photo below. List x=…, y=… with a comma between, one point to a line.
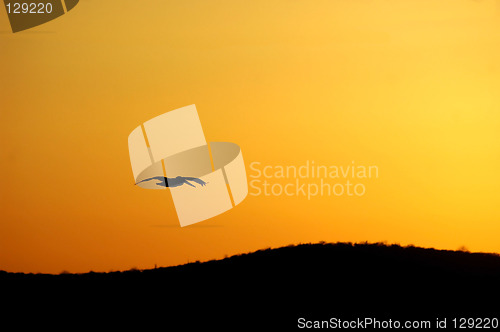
x=174, y=182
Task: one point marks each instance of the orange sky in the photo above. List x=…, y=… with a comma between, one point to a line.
x=409, y=86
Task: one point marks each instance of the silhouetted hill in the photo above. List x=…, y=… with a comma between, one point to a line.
x=277, y=286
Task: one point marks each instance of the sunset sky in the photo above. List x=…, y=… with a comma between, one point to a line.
x=411, y=86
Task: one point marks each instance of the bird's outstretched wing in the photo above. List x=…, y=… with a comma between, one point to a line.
x=199, y=181
x=157, y=178
x=185, y=181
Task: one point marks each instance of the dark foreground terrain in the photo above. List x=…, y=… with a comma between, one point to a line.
x=270, y=288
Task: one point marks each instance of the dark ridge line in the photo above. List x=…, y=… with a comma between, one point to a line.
x=409, y=250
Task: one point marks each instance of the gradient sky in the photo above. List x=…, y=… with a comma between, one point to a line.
x=411, y=86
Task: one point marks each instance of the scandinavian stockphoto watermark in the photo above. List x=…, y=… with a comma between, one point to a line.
x=310, y=179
